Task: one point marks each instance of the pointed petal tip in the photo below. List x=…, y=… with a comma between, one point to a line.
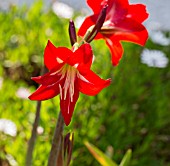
x=49, y=41
x=31, y=97
x=109, y=80
x=35, y=78
x=115, y=63
x=67, y=120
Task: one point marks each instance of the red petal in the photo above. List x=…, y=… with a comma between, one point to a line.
x=95, y=5
x=115, y=46
x=135, y=37
x=137, y=12
x=88, y=22
x=82, y=57
x=51, y=54
x=130, y=30
x=91, y=84
x=45, y=92
x=116, y=50
x=50, y=78
x=119, y=3
x=67, y=106
x=117, y=10
x=129, y=25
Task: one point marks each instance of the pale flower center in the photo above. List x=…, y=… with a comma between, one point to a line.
x=69, y=73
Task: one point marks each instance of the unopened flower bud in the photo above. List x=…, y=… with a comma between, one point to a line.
x=72, y=33
x=68, y=147
x=98, y=24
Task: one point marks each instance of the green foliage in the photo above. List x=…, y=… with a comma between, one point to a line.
x=132, y=113
x=126, y=158
x=104, y=160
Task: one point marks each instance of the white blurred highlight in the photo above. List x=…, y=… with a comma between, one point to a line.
x=23, y=93
x=78, y=21
x=1, y=82
x=40, y=130
x=159, y=37
x=62, y=10
x=8, y=127
x=154, y=58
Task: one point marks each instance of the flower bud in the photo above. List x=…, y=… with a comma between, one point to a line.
x=98, y=25
x=68, y=147
x=72, y=33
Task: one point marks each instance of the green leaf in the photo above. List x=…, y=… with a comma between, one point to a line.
x=126, y=159
x=100, y=156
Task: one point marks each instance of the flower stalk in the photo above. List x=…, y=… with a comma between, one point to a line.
x=57, y=142
x=32, y=140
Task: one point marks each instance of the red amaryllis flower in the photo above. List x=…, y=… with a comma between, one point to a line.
x=123, y=23
x=69, y=73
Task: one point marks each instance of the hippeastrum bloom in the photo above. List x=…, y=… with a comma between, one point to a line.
x=69, y=73
x=123, y=23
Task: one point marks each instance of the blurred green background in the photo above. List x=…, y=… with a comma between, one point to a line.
x=134, y=112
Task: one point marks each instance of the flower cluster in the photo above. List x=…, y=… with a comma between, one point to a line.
x=69, y=70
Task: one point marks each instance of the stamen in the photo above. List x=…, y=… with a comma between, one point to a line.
x=72, y=77
x=58, y=71
x=60, y=91
x=68, y=107
x=70, y=73
x=82, y=78
x=66, y=85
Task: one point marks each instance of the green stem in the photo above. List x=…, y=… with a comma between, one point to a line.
x=57, y=142
x=86, y=36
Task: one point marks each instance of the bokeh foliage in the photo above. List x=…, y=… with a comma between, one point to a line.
x=132, y=113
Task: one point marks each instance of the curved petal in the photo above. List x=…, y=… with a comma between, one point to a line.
x=116, y=50
x=55, y=56
x=91, y=84
x=67, y=106
x=45, y=92
x=115, y=46
x=137, y=12
x=135, y=37
x=49, y=78
x=82, y=57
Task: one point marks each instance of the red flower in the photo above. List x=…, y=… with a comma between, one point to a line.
x=123, y=23
x=69, y=73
